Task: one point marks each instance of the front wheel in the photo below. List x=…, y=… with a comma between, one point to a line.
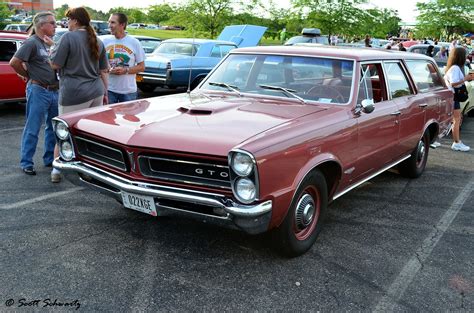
x=414, y=166
x=302, y=224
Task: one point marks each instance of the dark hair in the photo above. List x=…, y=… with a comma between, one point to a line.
x=83, y=19
x=456, y=57
x=122, y=18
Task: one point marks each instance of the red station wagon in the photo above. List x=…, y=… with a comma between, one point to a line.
x=266, y=141
x=12, y=87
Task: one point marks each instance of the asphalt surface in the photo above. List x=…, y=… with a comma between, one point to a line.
x=394, y=244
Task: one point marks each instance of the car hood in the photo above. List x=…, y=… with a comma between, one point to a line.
x=191, y=123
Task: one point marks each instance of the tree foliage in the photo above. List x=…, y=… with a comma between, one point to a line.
x=5, y=12
x=444, y=18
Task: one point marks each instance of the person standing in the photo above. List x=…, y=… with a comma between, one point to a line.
x=80, y=58
x=455, y=78
x=126, y=58
x=367, y=41
x=31, y=61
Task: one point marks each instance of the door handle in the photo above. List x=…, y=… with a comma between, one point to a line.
x=423, y=105
x=396, y=113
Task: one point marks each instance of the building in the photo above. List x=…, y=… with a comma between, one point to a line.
x=32, y=6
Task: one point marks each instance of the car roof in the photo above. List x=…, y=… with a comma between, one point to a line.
x=5, y=34
x=146, y=37
x=357, y=54
x=199, y=41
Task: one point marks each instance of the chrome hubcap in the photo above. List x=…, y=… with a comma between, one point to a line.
x=304, y=213
x=421, y=151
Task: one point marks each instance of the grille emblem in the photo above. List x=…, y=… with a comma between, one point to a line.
x=211, y=173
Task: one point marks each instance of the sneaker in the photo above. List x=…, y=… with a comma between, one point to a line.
x=435, y=144
x=459, y=146
x=29, y=171
x=55, y=178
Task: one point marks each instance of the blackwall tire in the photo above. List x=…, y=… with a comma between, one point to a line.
x=415, y=165
x=302, y=224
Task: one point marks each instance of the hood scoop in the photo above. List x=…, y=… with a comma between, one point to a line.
x=194, y=111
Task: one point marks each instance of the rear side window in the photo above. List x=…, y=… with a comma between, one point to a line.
x=397, y=81
x=7, y=50
x=220, y=51
x=425, y=75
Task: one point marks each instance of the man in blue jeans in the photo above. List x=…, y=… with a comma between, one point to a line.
x=126, y=58
x=31, y=61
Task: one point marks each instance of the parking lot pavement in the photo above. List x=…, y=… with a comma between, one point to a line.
x=393, y=244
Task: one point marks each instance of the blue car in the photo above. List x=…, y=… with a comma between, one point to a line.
x=185, y=61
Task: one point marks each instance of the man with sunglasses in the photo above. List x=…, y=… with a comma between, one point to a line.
x=31, y=62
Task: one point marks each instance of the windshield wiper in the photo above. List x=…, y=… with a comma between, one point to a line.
x=287, y=91
x=225, y=85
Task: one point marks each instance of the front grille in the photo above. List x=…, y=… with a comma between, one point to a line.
x=100, y=152
x=186, y=170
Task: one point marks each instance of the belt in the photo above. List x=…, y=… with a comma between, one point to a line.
x=45, y=86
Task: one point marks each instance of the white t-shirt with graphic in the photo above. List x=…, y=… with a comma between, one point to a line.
x=126, y=52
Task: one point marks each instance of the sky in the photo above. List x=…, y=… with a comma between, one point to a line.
x=406, y=8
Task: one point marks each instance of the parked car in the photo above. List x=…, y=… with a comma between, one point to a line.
x=28, y=20
x=136, y=25
x=17, y=27
x=100, y=27
x=268, y=139
x=59, y=33
x=176, y=62
x=148, y=43
x=13, y=87
x=152, y=26
x=309, y=35
x=422, y=48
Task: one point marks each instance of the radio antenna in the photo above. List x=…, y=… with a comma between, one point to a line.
x=191, y=63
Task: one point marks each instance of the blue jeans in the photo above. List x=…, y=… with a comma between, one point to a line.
x=40, y=104
x=120, y=97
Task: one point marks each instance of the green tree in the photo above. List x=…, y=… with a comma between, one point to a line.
x=61, y=11
x=209, y=15
x=446, y=17
x=5, y=12
x=159, y=13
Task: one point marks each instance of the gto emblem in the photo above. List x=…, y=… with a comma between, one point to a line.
x=200, y=171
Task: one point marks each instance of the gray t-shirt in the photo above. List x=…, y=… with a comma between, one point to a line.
x=79, y=74
x=35, y=53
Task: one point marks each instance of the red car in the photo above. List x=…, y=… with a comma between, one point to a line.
x=266, y=141
x=13, y=87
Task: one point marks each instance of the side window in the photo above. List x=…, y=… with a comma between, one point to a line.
x=397, y=81
x=424, y=74
x=370, y=85
x=216, y=52
x=7, y=50
x=225, y=49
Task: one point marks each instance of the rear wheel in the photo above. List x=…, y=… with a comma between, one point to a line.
x=196, y=82
x=146, y=87
x=302, y=224
x=415, y=165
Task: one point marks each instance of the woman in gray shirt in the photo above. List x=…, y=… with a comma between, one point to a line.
x=80, y=58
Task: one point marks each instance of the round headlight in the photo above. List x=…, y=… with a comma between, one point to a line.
x=245, y=189
x=242, y=164
x=62, y=131
x=66, y=150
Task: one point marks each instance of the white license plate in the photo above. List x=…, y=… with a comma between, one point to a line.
x=140, y=203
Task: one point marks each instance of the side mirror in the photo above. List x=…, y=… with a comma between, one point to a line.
x=367, y=105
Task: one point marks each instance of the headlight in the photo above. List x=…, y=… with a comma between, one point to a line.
x=66, y=150
x=242, y=164
x=245, y=190
x=62, y=131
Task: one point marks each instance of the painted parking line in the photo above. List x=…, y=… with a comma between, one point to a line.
x=400, y=284
x=19, y=204
x=10, y=129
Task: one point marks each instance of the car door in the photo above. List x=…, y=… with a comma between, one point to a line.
x=377, y=131
x=13, y=87
x=411, y=107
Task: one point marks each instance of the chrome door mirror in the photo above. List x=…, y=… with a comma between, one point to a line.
x=367, y=105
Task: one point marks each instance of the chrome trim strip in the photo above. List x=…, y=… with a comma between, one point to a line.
x=370, y=177
x=171, y=193
x=124, y=168
x=182, y=161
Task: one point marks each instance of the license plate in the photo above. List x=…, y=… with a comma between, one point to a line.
x=144, y=204
x=139, y=78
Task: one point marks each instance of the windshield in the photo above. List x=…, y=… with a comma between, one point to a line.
x=305, y=78
x=177, y=48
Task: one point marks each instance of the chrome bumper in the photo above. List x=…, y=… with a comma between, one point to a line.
x=250, y=218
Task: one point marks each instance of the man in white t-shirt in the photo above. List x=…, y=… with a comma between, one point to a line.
x=126, y=58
